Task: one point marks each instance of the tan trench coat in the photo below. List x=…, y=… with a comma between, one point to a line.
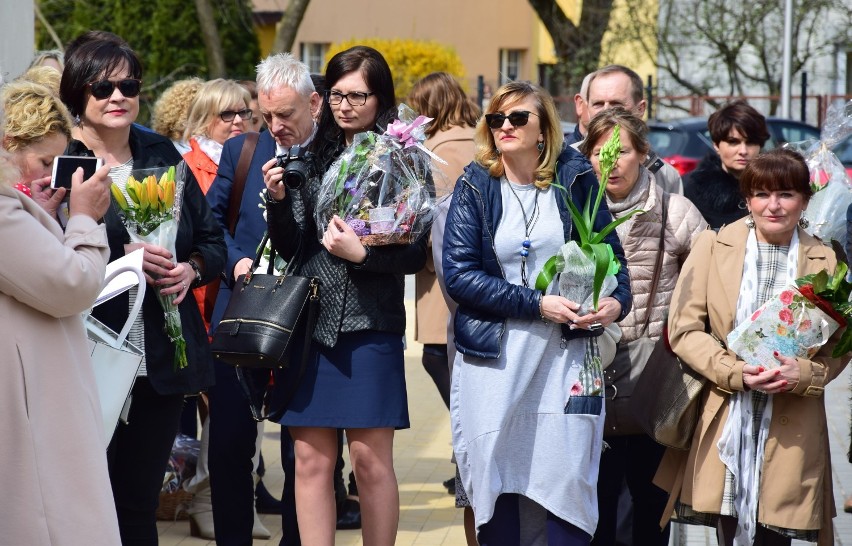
x=456, y=147
x=53, y=465
x=796, y=486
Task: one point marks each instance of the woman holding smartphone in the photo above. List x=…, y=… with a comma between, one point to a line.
x=100, y=86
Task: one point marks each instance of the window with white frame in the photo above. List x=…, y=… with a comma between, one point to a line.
x=313, y=55
x=510, y=64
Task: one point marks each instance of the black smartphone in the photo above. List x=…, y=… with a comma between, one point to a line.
x=66, y=165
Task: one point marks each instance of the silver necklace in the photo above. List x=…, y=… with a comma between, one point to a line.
x=529, y=224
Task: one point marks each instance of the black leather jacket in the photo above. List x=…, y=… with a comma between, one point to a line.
x=198, y=232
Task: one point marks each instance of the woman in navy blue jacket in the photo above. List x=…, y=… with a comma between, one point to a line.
x=526, y=394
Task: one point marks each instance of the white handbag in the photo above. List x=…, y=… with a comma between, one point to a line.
x=115, y=360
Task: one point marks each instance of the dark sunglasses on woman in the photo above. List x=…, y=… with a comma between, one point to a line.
x=102, y=89
x=518, y=118
x=229, y=115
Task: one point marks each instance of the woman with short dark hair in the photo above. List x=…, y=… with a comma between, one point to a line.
x=738, y=132
x=101, y=86
x=758, y=467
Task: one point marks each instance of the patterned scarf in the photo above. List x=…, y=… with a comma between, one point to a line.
x=740, y=446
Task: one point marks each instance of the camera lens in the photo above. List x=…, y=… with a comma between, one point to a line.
x=293, y=178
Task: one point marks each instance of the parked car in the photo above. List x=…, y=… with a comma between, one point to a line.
x=684, y=142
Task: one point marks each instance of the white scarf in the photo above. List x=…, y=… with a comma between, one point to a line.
x=210, y=147
x=740, y=454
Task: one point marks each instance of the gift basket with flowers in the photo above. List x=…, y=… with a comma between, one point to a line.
x=381, y=184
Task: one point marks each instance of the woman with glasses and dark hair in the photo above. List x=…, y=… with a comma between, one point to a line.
x=527, y=431
x=355, y=378
x=738, y=132
x=100, y=86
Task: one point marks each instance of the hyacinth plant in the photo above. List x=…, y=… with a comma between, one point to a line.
x=150, y=212
x=591, y=242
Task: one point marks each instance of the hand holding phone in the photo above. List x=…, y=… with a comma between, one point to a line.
x=65, y=165
x=91, y=196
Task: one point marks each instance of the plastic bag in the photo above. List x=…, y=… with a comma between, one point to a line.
x=826, y=212
x=577, y=277
x=381, y=185
x=182, y=462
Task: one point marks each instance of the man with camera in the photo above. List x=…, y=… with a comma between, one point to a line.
x=289, y=104
x=616, y=85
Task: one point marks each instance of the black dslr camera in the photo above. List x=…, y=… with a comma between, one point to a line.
x=299, y=166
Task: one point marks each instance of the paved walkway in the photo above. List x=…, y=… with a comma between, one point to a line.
x=422, y=462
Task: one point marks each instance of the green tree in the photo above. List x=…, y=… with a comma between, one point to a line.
x=166, y=35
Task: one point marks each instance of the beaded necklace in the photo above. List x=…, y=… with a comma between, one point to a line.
x=529, y=224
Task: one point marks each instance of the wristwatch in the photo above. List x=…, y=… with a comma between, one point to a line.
x=192, y=263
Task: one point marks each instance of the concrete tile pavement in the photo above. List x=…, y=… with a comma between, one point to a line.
x=422, y=462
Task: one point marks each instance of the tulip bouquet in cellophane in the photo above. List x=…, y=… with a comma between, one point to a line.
x=150, y=205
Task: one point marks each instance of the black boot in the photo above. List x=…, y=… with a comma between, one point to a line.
x=349, y=514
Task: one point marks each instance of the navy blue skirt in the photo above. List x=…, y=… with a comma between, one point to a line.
x=358, y=383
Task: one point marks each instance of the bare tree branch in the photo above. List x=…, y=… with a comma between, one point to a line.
x=210, y=37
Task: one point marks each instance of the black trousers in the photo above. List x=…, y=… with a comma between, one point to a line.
x=138, y=457
x=634, y=458
x=233, y=435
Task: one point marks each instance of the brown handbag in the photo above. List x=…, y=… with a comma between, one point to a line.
x=631, y=357
x=666, y=399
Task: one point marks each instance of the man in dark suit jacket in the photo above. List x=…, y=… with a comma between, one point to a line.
x=289, y=105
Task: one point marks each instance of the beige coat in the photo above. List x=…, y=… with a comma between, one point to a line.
x=53, y=466
x=456, y=147
x=641, y=245
x=796, y=486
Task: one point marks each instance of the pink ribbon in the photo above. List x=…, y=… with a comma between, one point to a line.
x=403, y=131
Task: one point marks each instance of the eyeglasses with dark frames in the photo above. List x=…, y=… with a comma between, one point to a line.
x=354, y=98
x=229, y=115
x=519, y=118
x=103, y=89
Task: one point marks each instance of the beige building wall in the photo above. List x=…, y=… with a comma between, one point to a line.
x=477, y=29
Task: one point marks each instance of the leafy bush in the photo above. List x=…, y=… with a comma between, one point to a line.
x=409, y=60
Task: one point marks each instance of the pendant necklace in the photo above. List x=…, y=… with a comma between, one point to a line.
x=529, y=224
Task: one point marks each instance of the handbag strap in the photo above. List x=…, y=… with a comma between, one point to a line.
x=275, y=413
x=235, y=200
x=658, y=265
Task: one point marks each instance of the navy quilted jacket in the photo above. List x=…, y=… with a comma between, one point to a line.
x=472, y=271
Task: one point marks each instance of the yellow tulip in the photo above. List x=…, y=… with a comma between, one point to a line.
x=169, y=194
x=119, y=197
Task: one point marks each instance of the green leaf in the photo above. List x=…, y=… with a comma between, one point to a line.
x=583, y=229
x=545, y=276
x=599, y=237
x=844, y=345
x=601, y=258
x=820, y=281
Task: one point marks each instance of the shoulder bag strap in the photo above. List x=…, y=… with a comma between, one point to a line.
x=658, y=265
x=240, y=175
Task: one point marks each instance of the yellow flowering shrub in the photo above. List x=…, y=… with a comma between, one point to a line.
x=409, y=60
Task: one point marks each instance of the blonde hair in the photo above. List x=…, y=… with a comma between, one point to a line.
x=486, y=149
x=45, y=76
x=33, y=112
x=440, y=96
x=8, y=172
x=213, y=97
x=172, y=108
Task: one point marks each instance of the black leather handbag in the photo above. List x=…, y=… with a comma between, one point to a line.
x=264, y=315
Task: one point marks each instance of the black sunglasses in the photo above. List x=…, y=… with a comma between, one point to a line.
x=517, y=119
x=229, y=115
x=102, y=89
